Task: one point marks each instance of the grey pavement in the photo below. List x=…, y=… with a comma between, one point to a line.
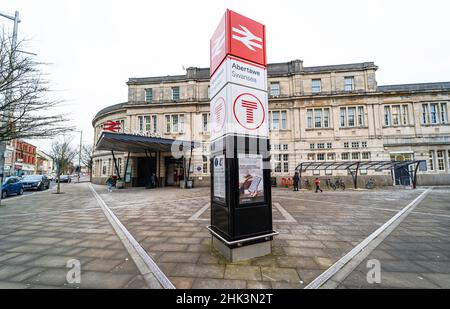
x=39, y=234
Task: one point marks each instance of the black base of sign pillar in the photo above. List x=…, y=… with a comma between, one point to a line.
x=241, y=197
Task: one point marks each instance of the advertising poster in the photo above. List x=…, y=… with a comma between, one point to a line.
x=219, y=178
x=251, y=181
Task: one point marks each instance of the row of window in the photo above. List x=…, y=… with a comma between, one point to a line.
x=316, y=86
x=25, y=158
x=274, y=89
x=346, y=156
x=318, y=118
x=175, y=94
x=438, y=161
x=394, y=115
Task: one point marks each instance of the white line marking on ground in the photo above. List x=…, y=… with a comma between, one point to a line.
x=285, y=214
x=330, y=272
x=148, y=268
x=196, y=216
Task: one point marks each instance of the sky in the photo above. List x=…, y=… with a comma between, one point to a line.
x=93, y=47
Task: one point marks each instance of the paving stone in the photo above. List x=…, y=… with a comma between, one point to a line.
x=53, y=277
x=8, y=256
x=236, y=272
x=24, y=258
x=308, y=252
x=12, y=286
x=219, y=284
x=406, y=280
x=182, y=283
x=297, y=262
x=306, y=244
x=280, y=274
x=9, y=271
x=101, y=265
x=168, y=247
x=441, y=280
x=179, y=257
x=199, y=271
x=258, y=285
x=23, y=276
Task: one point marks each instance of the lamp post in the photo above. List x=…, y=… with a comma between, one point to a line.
x=16, y=20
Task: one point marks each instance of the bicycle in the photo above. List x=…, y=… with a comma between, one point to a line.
x=339, y=184
x=370, y=184
x=331, y=185
x=308, y=184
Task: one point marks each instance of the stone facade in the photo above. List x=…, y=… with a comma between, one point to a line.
x=326, y=113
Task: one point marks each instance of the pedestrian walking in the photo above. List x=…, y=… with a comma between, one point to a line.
x=153, y=180
x=109, y=183
x=317, y=182
x=296, y=179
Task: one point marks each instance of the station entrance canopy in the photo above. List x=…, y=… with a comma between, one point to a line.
x=128, y=143
x=354, y=167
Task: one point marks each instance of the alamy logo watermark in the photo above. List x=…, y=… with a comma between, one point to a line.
x=374, y=273
x=74, y=274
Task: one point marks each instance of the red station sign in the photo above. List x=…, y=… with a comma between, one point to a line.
x=238, y=36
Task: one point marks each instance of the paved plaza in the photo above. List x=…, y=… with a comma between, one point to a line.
x=39, y=234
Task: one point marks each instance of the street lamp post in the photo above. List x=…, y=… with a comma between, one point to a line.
x=79, y=155
x=16, y=20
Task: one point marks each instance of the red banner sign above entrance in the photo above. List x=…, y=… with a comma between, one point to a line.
x=238, y=36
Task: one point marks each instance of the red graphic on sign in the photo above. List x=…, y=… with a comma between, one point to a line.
x=250, y=107
x=111, y=126
x=219, y=115
x=238, y=36
x=248, y=38
x=249, y=111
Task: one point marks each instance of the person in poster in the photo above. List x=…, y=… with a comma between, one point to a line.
x=251, y=185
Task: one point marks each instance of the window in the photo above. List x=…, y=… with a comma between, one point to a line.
x=331, y=157
x=387, y=115
x=346, y=145
x=205, y=123
x=396, y=115
x=321, y=146
x=175, y=123
x=317, y=118
x=355, y=144
x=434, y=113
x=275, y=89
x=366, y=155
x=279, y=120
x=321, y=118
x=349, y=83
x=448, y=157
x=364, y=144
x=321, y=157
x=119, y=165
x=149, y=95
x=147, y=123
x=286, y=147
x=352, y=116
x=316, y=86
x=312, y=146
x=175, y=93
x=205, y=148
x=443, y=113
x=281, y=163
x=205, y=164
x=329, y=145
x=355, y=156
x=311, y=157
x=431, y=160
x=345, y=156
x=441, y=160
x=310, y=119
x=405, y=115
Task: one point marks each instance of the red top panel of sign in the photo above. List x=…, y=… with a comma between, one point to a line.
x=238, y=36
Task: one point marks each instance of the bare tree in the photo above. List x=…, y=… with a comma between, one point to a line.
x=63, y=154
x=25, y=109
x=87, y=158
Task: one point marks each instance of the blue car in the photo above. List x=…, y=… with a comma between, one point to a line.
x=12, y=185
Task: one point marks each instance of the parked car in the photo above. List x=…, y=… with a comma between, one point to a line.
x=50, y=177
x=12, y=185
x=65, y=178
x=37, y=182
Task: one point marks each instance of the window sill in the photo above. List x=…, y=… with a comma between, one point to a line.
x=321, y=129
x=398, y=127
x=434, y=124
x=353, y=128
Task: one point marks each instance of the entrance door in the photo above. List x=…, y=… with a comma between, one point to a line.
x=174, y=171
x=146, y=167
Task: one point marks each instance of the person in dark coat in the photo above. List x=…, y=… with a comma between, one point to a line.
x=296, y=179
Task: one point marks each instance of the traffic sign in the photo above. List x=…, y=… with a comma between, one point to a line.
x=238, y=36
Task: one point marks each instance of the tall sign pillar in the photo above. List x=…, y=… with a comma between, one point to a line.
x=241, y=198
